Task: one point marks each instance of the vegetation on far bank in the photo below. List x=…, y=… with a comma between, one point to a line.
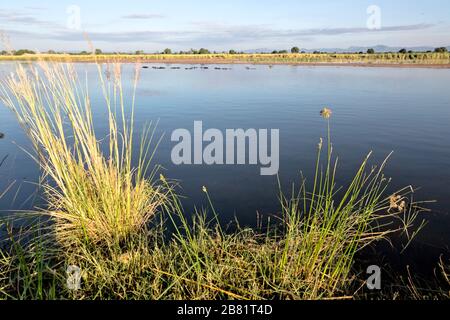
x=113, y=216
x=439, y=57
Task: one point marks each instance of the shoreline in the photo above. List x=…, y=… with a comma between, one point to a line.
x=300, y=64
x=263, y=63
x=269, y=60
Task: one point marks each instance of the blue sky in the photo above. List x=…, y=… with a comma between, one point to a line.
x=153, y=25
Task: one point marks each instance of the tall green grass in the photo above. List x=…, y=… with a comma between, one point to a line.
x=130, y=235
x=93, y=197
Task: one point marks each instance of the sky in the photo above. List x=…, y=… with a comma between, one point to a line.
x=153, y=25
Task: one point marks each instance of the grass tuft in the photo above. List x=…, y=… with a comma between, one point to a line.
x=93, y=197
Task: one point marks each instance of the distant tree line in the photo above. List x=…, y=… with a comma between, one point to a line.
x=17, y=52
x=441, y=49
x=294, y=50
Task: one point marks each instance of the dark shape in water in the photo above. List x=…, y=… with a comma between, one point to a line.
x=145, y=67
x=2, y=135
x=3, y=160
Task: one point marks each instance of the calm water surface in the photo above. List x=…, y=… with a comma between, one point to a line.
x=374, y=109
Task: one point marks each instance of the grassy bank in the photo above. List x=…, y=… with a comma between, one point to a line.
x=418, y=59
x=112, y=216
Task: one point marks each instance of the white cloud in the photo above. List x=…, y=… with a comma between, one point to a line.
x=143, y=16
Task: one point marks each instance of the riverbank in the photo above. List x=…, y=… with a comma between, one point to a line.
x=398, y=60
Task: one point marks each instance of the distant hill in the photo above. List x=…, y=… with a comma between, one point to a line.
x=260, y=50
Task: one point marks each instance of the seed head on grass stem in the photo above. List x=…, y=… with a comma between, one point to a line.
x=326, y=113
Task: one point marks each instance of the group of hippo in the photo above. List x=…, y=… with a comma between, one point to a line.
x=192, y=68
